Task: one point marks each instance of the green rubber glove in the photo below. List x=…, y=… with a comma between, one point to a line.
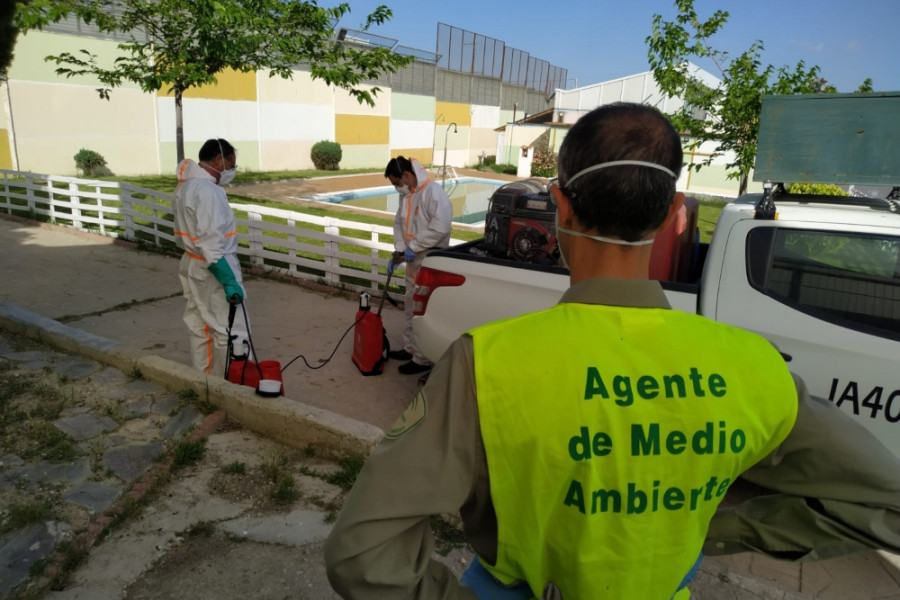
x=222, y=271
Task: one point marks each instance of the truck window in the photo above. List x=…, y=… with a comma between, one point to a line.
x=852, y=280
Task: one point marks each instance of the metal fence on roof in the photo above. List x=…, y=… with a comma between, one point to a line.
x=466, y=67
x=471, y=53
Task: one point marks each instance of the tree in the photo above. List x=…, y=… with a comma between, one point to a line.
x=727, y=114
x=8, y=35
x=181, y=44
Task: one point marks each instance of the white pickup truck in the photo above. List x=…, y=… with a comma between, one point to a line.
x=817, y=276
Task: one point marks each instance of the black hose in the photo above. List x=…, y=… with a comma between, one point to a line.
x=327, y=360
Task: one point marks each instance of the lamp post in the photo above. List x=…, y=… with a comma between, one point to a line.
x=444, y=169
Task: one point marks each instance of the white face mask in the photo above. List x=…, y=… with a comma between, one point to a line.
x=226, y=177
x=403, y=190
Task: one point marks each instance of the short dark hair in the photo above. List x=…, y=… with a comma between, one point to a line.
x=214, y=147
x=396, y=167
x=627, y=201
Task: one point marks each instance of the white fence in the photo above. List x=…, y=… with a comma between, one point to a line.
x=340, y=253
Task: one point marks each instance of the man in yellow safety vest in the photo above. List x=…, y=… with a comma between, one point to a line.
x=588, y=446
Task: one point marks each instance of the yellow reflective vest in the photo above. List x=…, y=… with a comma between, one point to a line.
x=612, y=434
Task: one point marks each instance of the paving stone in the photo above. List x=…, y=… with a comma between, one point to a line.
x=117, y=394
x=44, y=472
x=33, y=356
x=73, y=368
x=23, y=548
x=106, y=441
x=110, y=376
x=86, y=426
x=130, y=462
x=180, y=423
x=166, y=404
x=297, y=528
x=34, y=360
x=96, y=497
x=73, y=411
x=142, y=387
x=8, y=461
x=138, y=408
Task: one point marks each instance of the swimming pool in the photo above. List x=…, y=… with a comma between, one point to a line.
x=468, y=195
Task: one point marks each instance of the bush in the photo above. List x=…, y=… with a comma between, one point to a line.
x=89, y=161
x=326, y=155
x=543, y=164
x=817, y=189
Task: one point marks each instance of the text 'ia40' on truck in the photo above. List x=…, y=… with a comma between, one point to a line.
x=819, y=276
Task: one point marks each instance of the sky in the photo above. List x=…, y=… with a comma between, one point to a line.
x=599, y=40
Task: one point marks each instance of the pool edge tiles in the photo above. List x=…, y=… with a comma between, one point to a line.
x=473, y=217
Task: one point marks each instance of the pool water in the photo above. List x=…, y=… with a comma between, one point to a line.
x=470, y=198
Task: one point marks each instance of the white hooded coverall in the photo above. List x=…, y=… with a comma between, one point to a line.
x=205, y=227
x=422, y=223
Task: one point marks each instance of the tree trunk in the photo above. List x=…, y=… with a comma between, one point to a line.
x=179, y=127
x=742, y=187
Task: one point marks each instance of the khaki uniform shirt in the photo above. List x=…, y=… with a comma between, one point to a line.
x=839, y=487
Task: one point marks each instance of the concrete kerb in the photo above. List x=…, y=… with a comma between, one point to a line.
x=281, y=419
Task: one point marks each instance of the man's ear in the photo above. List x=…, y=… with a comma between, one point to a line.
x=563, y=206
x=677, y=203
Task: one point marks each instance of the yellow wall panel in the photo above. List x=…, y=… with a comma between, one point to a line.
x=452, y=112
x=5, y=154
x=423, y=155
x=361, y=129
x=233, y=85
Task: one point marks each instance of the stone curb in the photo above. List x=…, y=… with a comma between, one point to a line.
x=287, y=421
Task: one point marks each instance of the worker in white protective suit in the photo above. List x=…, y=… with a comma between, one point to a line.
x=205, y=227
x=422, y=224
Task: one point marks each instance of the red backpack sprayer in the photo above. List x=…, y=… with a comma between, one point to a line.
x=370, y=342
x=370, y=349
x=265, y=375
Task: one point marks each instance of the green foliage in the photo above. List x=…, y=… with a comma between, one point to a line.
x=21, y=514
x=89, y=161
x=190, y=42
x=326, y=155
x=188, y=452
x=728, y=114
x=235, y=468
x=543, y=164
x=8, y=34
x=285, y=490
x=817, y=189
x=350, y=467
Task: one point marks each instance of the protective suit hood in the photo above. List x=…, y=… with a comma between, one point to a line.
x=189, y=169
x=419, y=171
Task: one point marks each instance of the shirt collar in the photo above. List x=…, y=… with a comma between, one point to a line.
x=637, y=293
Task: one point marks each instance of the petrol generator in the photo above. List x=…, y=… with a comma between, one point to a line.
x=519, y=223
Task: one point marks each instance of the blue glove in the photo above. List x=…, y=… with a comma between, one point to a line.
x=391, y=267
x=409, y=255
x=223, y=273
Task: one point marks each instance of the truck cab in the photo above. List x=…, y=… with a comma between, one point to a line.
x=822, y=282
